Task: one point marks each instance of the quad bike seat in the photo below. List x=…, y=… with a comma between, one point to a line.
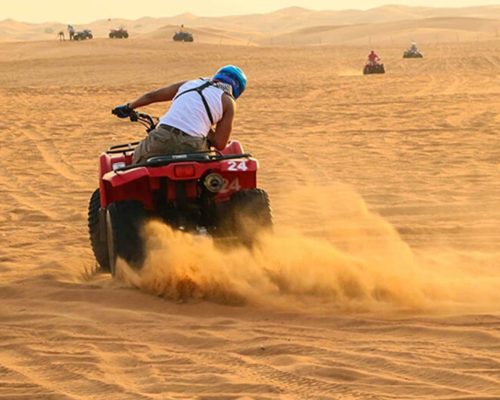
x=171, y=158
x=233, y=150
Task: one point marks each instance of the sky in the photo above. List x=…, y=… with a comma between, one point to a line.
x=67, y=11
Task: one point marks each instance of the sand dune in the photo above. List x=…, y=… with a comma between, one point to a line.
x=431, y=30
x=202, y=35
x=15, y=30
x=284, y=26
x=381, y=280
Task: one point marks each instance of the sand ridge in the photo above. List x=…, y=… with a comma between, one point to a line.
x=361, y=165
x=387, y=25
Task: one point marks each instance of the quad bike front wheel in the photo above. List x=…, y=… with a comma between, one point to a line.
x=124, y=222
x=250, y=215
x=97, y=234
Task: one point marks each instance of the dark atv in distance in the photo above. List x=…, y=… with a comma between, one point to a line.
x=83, y=35
x=376, y=68
x=118, y=34
x=208, y=193
x=412, y=54
x=183, y=37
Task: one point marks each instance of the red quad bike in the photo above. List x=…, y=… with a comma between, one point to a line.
x=211, y=192
x=374, y=68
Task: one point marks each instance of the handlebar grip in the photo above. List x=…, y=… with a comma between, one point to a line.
x=123, y=111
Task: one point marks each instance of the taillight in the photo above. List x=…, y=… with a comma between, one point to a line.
x=184, y=171
x=118, y=165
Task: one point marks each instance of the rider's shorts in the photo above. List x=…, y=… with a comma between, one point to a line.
x=165, y=139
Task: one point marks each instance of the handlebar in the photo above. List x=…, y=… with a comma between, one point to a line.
x=144, y=119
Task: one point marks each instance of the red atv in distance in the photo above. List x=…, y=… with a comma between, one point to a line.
x=373, y=68
x=211, y=192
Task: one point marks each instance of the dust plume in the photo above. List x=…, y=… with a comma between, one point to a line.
x=356, y=261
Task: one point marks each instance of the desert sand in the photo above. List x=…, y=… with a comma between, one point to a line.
x=381, y=281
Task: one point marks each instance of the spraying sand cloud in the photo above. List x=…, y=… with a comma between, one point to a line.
x=361, y=263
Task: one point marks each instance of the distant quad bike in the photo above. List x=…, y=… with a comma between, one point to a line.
x=83, y=35
x=183, y=37
x=210, y=192
x=374, y=69
x=412, y=54
x=118, y=34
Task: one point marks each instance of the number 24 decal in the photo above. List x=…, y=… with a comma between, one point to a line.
x=231, y=186
x=237, y=166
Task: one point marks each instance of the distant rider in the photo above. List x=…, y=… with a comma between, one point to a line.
x=373, y=58
x=71, y=32
x=197, y=106
x=413, y=48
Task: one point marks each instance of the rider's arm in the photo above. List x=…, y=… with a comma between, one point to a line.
x=220, y=136
x=166, y=93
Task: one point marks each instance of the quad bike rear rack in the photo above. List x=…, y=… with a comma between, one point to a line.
x=122, y=148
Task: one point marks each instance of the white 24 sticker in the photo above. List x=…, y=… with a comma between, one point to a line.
x=237, y=166
x=234, y=185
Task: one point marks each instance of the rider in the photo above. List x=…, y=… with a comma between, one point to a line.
x=413, y=48
x=71, y=31
x=373, y=58
x=197, y=106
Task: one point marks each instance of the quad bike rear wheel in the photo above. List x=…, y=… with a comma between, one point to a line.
x=124, y=222
x=374, y=69
x=250, y=215
x=97, y=235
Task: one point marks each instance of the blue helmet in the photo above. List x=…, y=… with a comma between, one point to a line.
x=233, y=76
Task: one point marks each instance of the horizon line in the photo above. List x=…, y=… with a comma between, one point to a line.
x=256, y=13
